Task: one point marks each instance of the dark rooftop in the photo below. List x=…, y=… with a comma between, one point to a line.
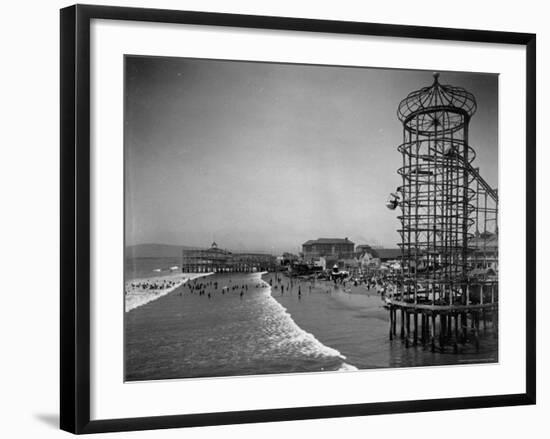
x=387, y=253
x=328, y=241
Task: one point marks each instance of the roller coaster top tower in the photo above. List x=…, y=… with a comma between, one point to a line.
x=435, y=196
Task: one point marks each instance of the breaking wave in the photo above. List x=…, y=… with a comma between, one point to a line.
x=290, y=335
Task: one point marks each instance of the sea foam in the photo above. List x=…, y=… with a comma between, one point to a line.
x=135, y=298
x=311, y=345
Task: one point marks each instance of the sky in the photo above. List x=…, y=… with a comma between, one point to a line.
x=265, y=156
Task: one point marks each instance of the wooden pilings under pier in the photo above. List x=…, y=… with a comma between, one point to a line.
x=440, y=327
x=234, y=268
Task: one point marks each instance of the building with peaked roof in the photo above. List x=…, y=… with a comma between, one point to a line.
x=363, y=249
x=339, y=248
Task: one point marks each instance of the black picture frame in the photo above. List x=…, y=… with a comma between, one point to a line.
x=75, y=217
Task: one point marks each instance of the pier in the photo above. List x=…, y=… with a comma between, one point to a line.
x=218, y=260
x=444, y=326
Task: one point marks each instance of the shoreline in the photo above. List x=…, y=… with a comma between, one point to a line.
x=353, y=321
x=321, y=346
x=340, y=318
x=134, y=297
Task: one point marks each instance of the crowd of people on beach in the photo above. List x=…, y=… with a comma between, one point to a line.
x=280, y=283
x=207, y=288
x=138, y=292
x=283, y=282
x=152, y=286
x=382, y=285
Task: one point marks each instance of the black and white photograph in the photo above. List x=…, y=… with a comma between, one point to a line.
x=275, y=219
x=292, y=218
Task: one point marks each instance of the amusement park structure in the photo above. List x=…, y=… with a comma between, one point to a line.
x=447, y=290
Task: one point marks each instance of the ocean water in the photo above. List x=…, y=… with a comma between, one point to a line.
x=184, y=334
x=138, y=268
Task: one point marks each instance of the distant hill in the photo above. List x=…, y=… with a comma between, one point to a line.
x=156, y=250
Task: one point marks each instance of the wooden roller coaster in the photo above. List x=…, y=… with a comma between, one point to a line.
x=447, y=289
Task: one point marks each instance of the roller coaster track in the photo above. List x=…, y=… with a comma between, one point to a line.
x=473, y=171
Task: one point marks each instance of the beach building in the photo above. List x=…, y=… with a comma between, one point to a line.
x=368, y=262
x=387, y=254
x=484, y=251
x=326, y=262
x=483, y=257
x=351, y=264
x=333, y=248
x=215, y=259
x=258, y=261
x=288, y=258
x=364, y=249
